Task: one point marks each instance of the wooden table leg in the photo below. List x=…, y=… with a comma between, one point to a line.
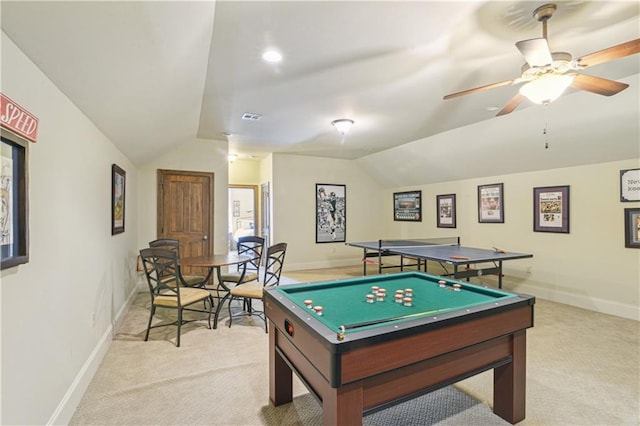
x=280, y=376
x=343, y=406
x=509, y=383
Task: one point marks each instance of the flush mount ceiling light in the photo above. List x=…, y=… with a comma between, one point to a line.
x=272, y=56
x=232, y=157
x=343, y=125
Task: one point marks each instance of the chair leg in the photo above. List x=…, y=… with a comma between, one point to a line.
x=218, y=309
x=179, y=326
x=210, y=309
x=230, y=314
x=153, y=311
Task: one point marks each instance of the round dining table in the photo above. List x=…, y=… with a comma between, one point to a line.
x=215, y=263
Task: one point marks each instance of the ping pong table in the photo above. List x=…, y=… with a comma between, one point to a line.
x=445, y=251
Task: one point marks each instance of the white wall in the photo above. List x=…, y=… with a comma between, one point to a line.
x=58, y=309
x=198, y=156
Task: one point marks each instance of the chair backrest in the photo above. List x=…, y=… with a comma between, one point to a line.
x=274, y=260
x=251, y=246
x=161, y=269
x=167, y=243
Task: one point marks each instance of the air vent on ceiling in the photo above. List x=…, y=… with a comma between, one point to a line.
x=251, y=116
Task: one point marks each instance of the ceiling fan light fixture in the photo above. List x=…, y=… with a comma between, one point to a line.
x=546, y=89
x=342, y=125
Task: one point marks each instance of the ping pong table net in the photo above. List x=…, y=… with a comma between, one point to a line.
x=418, y=242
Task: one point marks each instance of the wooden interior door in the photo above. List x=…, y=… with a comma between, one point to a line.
x=185, y=211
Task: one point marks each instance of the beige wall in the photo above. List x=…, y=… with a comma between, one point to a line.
x=589, y=267
x=198, y=156
x=59, y=310
x=244, y=172
x=294, y=198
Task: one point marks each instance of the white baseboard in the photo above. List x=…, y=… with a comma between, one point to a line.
x=584, y=302
x=63, y=413
x=321, y=264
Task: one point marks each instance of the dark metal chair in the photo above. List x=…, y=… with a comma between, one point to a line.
x=169, y=290
x=251, y=246
x=173, y=244
x=248, y=291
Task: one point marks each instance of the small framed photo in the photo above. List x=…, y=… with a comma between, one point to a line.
x=446, y=210
x=331, y=213
x=407, y=206
x=491, y=203
x=551, y=209
x=118, y=182
x=632, y=228
x=630, y=185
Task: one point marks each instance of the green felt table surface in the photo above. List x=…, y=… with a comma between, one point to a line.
x=344, y=301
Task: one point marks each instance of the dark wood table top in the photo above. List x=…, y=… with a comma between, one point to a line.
x=214, y=261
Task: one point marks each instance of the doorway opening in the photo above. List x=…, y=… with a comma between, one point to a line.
x=243, y=217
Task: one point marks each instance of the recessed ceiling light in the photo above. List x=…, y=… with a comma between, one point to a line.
x=272, y=56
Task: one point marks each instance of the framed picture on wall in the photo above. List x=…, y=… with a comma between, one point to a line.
x=331, y=213
x=118, y=182
x=632, y=228
x=630, y=185
x=407, y=206
x=446, y=210
x=491, y=203
x=14, y=216
x=551, y=209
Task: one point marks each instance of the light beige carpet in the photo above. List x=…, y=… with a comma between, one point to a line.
x=583, y=369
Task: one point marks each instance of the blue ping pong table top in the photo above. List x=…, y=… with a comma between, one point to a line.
x=444, y=253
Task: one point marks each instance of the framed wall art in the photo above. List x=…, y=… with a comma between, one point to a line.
x=14, y=201
x=632, y=228
x=446, y=210
x=118, y=186
x=491, y=203
x=407, y=206
x=630, y=185
x=551, y=209
x=331, y=213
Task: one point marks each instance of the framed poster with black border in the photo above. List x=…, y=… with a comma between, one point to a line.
x=446, y=210
x=551, y=209
x=118, y=186
x=632, y=228
x=407, y=206
x=14, y=200
x=331, y=213
x=491, y=203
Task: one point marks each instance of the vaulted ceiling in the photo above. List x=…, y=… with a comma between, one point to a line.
x=154, y=75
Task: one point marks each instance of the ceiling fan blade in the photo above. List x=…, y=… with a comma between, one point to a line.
x=598, y=85
x=511, y=105
x=535, y=51
x=614, y=52
x=479, y=89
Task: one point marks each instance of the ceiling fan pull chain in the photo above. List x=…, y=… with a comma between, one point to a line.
x=545, y=131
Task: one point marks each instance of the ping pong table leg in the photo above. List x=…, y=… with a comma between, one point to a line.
x=364, y=263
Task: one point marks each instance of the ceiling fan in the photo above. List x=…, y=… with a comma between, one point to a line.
x=547, y=74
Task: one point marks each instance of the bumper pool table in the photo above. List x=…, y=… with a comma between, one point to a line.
x=359, y=357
